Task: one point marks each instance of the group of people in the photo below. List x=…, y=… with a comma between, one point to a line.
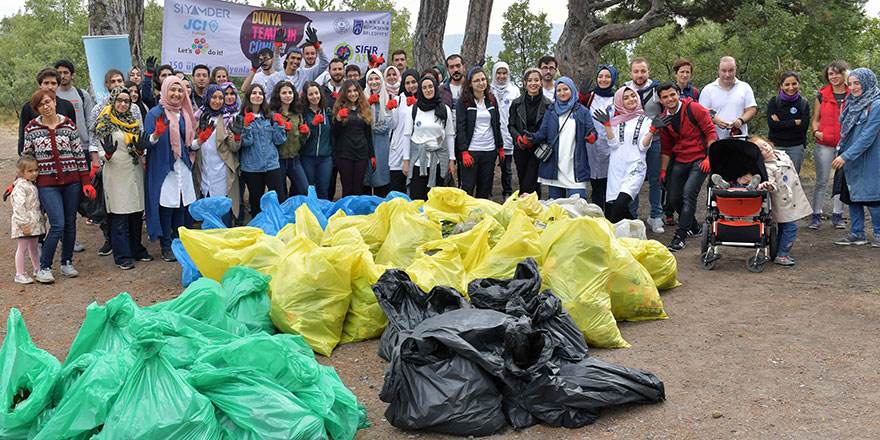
x=162, y=140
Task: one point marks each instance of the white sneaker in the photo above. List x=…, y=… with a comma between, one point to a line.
x=656, y=225
x=68, y=270
x=44, y=276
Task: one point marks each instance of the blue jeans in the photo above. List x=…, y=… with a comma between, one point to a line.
x=293, y=170
x=796, y=153
x=787, y=234
x=125, y=236
x=822, y=157
x=555, y=192
x=655, y=192
x=170, y=219
x=60, y=203
x=857, y=220
x=507, y=175
x=318, y=170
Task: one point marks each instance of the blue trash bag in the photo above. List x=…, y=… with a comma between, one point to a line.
x=316, y=205
x=355, y=205
x=397, y=195
x=210, y=211
x=271, y=218
x=190, y=271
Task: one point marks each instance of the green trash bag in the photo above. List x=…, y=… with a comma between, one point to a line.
x=27, y=377
x=104, y=328
x=247, y=298
x=89, y=399
x=184, y=337
x=156, y=402
x=254, y=406
x=204, y=300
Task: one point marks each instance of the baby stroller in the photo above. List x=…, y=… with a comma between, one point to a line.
x=736, y=216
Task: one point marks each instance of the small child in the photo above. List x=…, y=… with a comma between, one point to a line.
x=748, y=181
x=789, y=199
x=28, y=222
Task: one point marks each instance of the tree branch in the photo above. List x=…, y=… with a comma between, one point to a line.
x=595, y=6
x=624, y=31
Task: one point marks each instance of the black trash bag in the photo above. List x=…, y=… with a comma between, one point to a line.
x=563, y=393
x=442, y=377
x=406, y=305
x=522, y=296
x=94, y=209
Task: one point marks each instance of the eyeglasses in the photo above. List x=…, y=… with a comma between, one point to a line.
x=548, y=67
x=123, y=101
x=46, y=103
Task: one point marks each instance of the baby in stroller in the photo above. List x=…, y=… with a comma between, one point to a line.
x=748, y=181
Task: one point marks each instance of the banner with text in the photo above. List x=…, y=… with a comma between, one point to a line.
x=105, y=52
x=218, y=33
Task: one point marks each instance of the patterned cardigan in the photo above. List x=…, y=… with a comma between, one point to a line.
x=60, y=158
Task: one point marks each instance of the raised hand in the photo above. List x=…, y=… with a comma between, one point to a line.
x=140, y=143
x=279, y=37
x=603, y=117
x=161, y=126
x=312, y=37
x=151, y=65
x=255, y=62
x=108, y=144
x=248, y=118
x=661, y=121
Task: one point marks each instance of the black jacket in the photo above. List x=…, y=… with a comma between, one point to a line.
x=466, y=119
x=784, y=132
x=62, y=107
x=518, y=123
x=354, y=139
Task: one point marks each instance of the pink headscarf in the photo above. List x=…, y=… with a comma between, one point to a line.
x=621, y=113
x=184, y=108
x=393, y=89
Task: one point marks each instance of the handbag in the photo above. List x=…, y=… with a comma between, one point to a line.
x=544, y=151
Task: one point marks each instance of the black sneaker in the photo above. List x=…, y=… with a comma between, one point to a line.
x=106, y=249
x=126, y=265
x=669, y=221
x=145, y=257
x=695, y=230
x=677, y=244
x=168, y=255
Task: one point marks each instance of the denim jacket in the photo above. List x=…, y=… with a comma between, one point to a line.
x=861, y=151
x=259, y=145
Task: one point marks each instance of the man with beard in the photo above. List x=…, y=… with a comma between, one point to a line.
x=264, y=64
x=335, y=76
x=81, y=100
x=450, y=90
x=293, y=73
x=201, y=76
x=398, y=60
x=548, y=66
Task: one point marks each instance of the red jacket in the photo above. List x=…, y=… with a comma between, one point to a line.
x=687, y=144
x=829, y=115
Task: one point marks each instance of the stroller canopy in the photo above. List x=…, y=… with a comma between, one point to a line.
x=734, y=157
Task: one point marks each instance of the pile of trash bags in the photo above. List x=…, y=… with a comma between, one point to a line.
x=510, y=355
x=324, y=256
x=204, y=365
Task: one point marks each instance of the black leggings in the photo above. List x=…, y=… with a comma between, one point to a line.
x=527, y=171
x=618, y=209
x=351, y=174
x=257, y=183
x=477, y=179
x=597, y=196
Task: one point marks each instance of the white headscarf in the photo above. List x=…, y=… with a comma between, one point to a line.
x=378, y=115
x=497, y=87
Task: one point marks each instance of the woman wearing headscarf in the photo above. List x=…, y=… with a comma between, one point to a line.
x=567, y=128
x=231, y=108
x=122, y=147
x=860, y=155
x=376, y=180
x=601, y=99
x=400, y=119
x=215, y=162
x=429, y=140
x=392, y=81
x=628, y=135
x=478, y=134
x=440, y=70
x=168, y=182
x=504, y=93
x=526, y=115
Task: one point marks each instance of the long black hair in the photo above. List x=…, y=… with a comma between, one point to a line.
x=246, y=102
x=275, y=102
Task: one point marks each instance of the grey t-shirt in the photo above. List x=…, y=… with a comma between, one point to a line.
x=82, y=111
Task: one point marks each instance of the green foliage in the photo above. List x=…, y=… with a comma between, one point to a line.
x=401, y=37
x=153, y=15
x=35, y=37
x=526, y=38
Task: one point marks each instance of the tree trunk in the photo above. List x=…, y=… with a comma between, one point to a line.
x=119, y=17
x=473, y=47
x=429, y=32
x=577, y=50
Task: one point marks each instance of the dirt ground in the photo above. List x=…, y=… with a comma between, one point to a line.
x=787, y=353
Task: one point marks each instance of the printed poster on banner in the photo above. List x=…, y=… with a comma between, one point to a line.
x=218, y=33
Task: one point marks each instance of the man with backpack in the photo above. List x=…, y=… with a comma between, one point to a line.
x=687, y=136
x=81, y=100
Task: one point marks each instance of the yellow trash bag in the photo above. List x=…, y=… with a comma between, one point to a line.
x=307, y=224
x=529, y=204
x=474, y=245
x=311, y=292
x=408, y=229
x=365, y=319
x=657, y=258
x=454, y=205
x=553, y=213
x=634, y=297
x=372, y=228
x=520, y=241
x=216, y=250
x=438, y=263
x=576, y=256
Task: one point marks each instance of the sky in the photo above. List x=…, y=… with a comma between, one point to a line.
x=457, y=12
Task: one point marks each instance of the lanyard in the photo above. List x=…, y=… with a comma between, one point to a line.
x=635, y=140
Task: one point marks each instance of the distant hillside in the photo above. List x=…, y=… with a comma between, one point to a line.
x=494, y=44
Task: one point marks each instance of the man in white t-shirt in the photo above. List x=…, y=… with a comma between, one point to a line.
x=548, y=66
x=731, y=100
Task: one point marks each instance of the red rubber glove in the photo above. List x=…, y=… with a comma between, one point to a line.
x=8, y=192
x=392, y=104
x=704, y=166
x=374, y=61
x=161, y=126
x=318, y=119
x=317, y=45
x=410, y=100
x=248, y=118
x=334, y=95
x=501, y=154
x=95, y=169
x=90, y=192
x=205, y=134
x=343, y=113
x=466, y=159
x=373, y=162
x=662, y=177
x=304, y=129
x=288, y=126
x=278, y=119
x=373, y=99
